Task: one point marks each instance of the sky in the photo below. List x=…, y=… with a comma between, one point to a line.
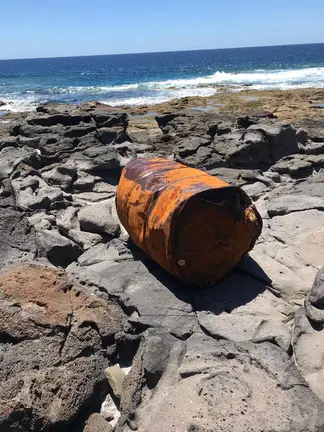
x=43, y=28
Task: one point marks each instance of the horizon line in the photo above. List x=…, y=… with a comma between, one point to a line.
x=159, y=52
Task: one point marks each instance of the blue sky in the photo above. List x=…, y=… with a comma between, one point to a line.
x=43, y=28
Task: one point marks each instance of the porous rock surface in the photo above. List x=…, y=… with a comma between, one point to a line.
x=77, y=298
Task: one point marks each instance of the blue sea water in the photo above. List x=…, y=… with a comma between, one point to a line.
x=137, y=79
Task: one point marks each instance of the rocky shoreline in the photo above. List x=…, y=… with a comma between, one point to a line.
x=94, y=336
x=295, y=105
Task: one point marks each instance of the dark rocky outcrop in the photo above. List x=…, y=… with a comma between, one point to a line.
x=94, y=336
x=213, y=143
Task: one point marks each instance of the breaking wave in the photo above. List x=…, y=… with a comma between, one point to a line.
x=152, y=92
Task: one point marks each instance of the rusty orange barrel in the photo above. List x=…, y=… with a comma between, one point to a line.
x=195, y=226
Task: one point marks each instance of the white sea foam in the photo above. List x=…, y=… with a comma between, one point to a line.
x=281, y=79
x=202, y=86
x=160, y=97
x=92, y=89
x=260, y=78
x=19, y=104
x=148, y=93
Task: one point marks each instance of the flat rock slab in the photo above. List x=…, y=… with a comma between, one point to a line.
x=238, y=387
x=308, y=346
x=308, y=337
x=305, y=232
x=241, y=308
x=157, y=299
x=97, y=218
x=291, y=250
x=288, y=204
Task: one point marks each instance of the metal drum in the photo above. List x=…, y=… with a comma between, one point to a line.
x=195, y=226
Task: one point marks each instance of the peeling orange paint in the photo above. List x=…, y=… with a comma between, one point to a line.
x=196, y=226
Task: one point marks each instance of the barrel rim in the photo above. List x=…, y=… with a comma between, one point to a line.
x=174, y=215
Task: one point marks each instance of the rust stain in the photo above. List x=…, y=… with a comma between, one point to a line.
x=197, y=227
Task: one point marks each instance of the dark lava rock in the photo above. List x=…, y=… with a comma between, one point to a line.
x=58, y=249
x=282, y=139
x=17, y=237
x=53, y=339
x=50, y=120
x=108, y=120
x=164, y=119
x=108, y=135
x=79, y=131
x=316, y=296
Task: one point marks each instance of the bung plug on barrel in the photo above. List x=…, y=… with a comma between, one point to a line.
x=196, y=226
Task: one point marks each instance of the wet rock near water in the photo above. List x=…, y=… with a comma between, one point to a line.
x=94, y=336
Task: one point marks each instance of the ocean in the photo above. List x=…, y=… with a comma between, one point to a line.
x=143, y=79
